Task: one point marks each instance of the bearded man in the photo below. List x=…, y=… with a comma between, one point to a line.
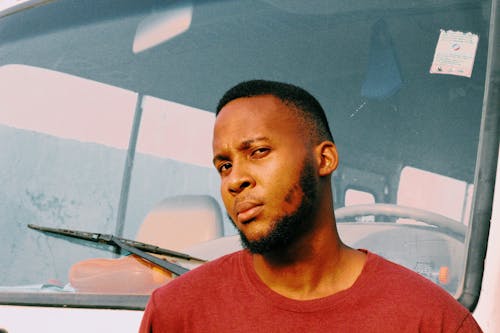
x=275, y=155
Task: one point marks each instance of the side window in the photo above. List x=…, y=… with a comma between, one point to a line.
x=358, y=197
x=436, y=193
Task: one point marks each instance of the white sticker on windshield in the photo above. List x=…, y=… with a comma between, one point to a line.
x=455, y=53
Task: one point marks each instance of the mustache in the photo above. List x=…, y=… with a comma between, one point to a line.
x=249, y=198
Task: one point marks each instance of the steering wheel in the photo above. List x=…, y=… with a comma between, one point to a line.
x=444, y=224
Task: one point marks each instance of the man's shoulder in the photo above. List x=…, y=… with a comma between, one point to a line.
x=396, y=275
x=205, y=275
x=407, y=285
x=409, y=298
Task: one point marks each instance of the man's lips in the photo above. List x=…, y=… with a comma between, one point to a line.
x=246, y=211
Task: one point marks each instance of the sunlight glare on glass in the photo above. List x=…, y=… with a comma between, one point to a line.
x=65, y=106
x=10, y=6
x=70, y=107
x=176, y=131
x=162, y=26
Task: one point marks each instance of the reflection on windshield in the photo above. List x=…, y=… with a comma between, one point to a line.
x=65, y=106
x=163, y=25
x=76, y=132
x=176, y=131
x=70, y=107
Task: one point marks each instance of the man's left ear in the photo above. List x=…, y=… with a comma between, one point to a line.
x=328, y=158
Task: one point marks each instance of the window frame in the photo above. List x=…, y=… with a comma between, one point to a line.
x=485, y=173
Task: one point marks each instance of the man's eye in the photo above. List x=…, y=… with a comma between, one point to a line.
x=224, y=167
x=260, y=152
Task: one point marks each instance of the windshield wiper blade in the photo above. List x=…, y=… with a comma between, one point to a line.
x=138, y=248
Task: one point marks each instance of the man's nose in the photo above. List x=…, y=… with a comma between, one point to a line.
x=239, y=179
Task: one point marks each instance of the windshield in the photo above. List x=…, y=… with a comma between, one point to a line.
x=106, y=116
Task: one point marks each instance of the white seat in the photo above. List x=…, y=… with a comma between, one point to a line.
x=182, y=221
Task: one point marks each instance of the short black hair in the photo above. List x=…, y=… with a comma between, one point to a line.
x=308, y=106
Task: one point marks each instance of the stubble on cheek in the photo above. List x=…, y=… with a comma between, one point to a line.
x=294, y=195
x=293, y=199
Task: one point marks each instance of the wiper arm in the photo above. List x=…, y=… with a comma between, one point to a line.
x=138, y=248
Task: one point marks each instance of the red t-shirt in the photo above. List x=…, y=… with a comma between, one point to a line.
x=226, y=295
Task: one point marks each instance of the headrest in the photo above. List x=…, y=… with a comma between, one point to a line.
x=181, y=221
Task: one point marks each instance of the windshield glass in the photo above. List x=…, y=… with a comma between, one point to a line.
x=106, y=116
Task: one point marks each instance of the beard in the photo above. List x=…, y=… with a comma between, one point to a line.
x=287, y=229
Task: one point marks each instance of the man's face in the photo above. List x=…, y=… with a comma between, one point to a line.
x=268, y=175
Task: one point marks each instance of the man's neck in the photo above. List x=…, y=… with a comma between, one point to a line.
x=316, y=266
